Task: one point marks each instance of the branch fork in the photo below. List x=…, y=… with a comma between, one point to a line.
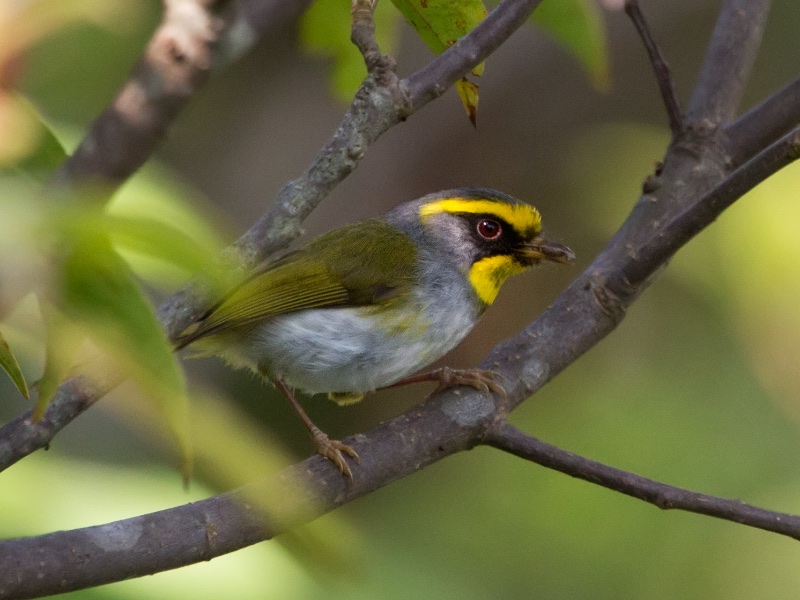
x=695, y=185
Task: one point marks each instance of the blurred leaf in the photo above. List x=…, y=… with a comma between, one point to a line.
x=27, y=144
x=63, y=339
x=325, y=31
x=578, y=25
x=9, y=364
x=23, y=266
x=168, y=211
x=440, y=23
x=760, y=259
x=23, y=23
x=99, y=293
x=164, y=242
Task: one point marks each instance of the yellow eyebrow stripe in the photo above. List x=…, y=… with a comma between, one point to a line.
x=522, y=217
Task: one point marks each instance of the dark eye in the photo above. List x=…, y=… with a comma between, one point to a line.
x=489, y=229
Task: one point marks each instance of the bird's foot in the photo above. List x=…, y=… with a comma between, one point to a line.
x=334, y=451
x=482, y=380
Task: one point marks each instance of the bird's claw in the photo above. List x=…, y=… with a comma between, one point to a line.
x=481, y=379
x=334, y=451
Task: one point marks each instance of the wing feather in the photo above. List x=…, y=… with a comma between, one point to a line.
x=346, y=267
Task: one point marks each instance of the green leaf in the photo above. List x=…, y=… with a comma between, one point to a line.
x=163, y=242
x=32, y=150
x=578, y=25
x=440, y=23
x=99, y=293
x=9, y=364
x=325, y=31
x=63, y=340
x=165, y=229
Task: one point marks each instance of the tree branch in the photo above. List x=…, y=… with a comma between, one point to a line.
x=728, y=62
x=674, y=234
x=765, y=123
x=432, y=80
x=176, y=62
x=187, y=534
x=22, y=436
x=363, y=36
x=450, y=422
x=510, y=439
x=660, y=68
x=376, y=107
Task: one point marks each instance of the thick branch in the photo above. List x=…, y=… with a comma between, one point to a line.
x=447, y=423
x=588, y=310
x=202, y=530
x=175, y=64
x=728, y=61
x=376, y=107
x=510, y=439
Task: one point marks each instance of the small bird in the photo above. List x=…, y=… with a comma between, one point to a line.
x=368, y=305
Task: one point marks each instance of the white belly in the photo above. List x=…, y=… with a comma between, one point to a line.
x=341, y=350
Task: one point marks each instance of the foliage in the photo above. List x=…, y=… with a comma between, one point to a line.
x=325, y=30
x=698, y=387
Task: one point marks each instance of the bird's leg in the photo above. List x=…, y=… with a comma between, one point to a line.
x=480, y=379
x=330, y=449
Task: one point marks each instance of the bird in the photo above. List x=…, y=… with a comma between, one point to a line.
x=368, y=305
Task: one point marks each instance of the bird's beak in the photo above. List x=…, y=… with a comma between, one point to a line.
x=543, y=249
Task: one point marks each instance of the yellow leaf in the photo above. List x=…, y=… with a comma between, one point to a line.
x=468, y=92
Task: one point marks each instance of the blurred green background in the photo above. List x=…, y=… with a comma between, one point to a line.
x=698, y=387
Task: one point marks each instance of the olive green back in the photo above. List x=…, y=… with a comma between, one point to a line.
x=358, y=265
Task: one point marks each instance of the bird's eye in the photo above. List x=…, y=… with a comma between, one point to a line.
x=489, y=229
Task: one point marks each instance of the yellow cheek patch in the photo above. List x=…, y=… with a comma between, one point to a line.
x=488, y=274
x=524, y=218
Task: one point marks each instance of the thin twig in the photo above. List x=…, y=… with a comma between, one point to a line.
x=362, y=34
x=22, y=436
x=660, y=67
x=510, y=439
x=765, y=123
x=432, y=80
x=378, y=106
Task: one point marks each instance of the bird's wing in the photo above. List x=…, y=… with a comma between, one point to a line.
x=346, y=267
